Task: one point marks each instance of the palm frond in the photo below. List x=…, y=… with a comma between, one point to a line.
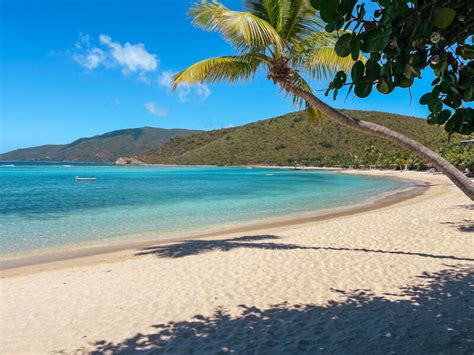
x=313, y=40
x=229, y=68
x=243, y=30
x=314, y=116
x=323, y=62
x=316, y=55
x=299, y=20
x=269, y=10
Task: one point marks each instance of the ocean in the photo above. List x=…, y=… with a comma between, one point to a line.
x=42, y=206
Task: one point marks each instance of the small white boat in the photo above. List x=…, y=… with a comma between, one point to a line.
x=85, y=178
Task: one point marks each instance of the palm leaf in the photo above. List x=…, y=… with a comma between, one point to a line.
x=229, y=68
x=268, y=10
x=323, y=62
x=300, y=20
x=243, y=30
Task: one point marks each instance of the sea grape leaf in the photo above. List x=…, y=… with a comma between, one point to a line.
x=355, y=48
x=316, y=4
x=339, y=79
x=443, y=17
x=363, y=89
x=443, y=116
x=376, y=40
x=328, y=10
x=372, y=69
x=343, y=45
x=346, y=7
x=383, y=87
x=357, y=72
x=426, y=98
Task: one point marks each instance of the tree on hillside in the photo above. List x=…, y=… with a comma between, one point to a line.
x=284, y=38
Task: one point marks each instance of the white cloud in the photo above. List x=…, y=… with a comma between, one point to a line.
x=130, y=58
x=83, y=40
x=184, y=91
x=166, y=79
x=202, y=91
x=154, y=109
x=91, y=59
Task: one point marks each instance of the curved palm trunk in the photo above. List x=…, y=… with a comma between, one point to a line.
x=457, y=177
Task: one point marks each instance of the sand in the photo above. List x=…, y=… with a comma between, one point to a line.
x=397, y=278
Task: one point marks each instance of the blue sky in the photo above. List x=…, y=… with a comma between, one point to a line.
x=75, y=68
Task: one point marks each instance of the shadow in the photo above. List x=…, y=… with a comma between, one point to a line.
x=465, y=225
x=466, y=206
x=200, y=246
x=435, y=316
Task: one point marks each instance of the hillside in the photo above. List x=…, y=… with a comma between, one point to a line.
x=291, y=139
x=101, y=148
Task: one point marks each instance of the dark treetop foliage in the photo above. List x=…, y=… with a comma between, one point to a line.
x=401, y=38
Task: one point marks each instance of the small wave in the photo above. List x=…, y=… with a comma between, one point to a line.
x=7, y=166
x=67, y=166
x=269, y=174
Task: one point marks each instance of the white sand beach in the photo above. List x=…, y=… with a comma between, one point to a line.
x=396, y=278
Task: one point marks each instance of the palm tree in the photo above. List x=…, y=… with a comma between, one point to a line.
x=284, y=38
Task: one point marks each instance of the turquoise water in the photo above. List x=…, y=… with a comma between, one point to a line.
x=43, y=206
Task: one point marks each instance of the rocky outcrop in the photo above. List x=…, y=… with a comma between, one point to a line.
x=129, y=161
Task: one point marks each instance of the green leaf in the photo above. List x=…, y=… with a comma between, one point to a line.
x=355, y=48
x=469, y=94
x=432, y=119
x=443, y=116
x=346, y=7
x=405, y=82
x=376, y=40
x=383, y=87
x=357, y=72
x=467, y=53
x=450, y=125
x=316, y=4
x=386, y=69
x=435, y=106
x=343, y=45
x=328, y=10
x=339, y=79
x=443, y=17
x=331, y=27
x=372, y=69
x=452, y=103
x=363, y=89
x=426, y=99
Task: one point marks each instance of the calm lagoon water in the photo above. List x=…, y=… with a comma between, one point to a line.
x=42, y=206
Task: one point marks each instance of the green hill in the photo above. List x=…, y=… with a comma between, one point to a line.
x=101, y=148
x=291, y=139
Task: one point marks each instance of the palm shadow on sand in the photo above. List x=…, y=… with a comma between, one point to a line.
x=435, y=316
x=200, y=246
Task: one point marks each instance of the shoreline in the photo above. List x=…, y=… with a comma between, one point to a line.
x=114, y=250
